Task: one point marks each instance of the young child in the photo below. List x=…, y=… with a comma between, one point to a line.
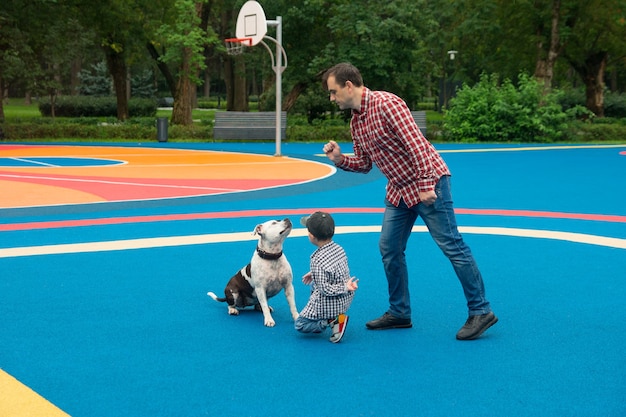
x=332, y=288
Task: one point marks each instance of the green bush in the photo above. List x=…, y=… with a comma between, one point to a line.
x=298, y=128
x=495, y=112
x=572, y=97
x=333, y=128
x=322, y=132
x=427, y=105
x=615, y=105
x=211, y=104
x=95, y=129
x=601, y=130
x=92, y=106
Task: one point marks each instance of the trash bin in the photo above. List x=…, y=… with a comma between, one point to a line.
x=162, y=129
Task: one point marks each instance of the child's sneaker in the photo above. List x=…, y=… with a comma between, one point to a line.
x=338, y=326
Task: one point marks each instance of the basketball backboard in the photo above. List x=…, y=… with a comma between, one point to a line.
x=251, y=22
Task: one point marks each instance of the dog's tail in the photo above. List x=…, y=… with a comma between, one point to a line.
x=215, y=297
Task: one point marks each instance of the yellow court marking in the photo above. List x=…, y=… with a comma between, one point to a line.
x=17, y=400
x=521, y=149
x=533, y=148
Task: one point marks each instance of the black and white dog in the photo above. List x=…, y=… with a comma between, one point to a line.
x=266, y=275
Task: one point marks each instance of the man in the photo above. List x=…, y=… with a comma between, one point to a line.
x=384, y=133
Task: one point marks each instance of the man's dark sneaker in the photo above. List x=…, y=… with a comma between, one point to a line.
x=387, y=321
x=476, y=325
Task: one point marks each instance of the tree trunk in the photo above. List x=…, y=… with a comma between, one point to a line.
x=165, y=71
x=183, y=100
x=207, y=84
x=76, y=66
x=1, y=99
x=293, y=95
x=544, y=69
x=228, y=81
x=186, y=92
x=53, y=103
x=117, y=67
x=235, y=79
x=592, y=74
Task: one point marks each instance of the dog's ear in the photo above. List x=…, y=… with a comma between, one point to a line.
x=258, y=229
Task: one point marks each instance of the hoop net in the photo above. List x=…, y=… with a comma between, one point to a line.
x=234, y=46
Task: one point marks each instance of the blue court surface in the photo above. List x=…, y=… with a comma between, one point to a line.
x=104, y=312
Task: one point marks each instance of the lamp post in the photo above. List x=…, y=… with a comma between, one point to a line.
x=452, y=55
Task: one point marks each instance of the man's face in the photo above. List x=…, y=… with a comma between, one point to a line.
x=340, y=95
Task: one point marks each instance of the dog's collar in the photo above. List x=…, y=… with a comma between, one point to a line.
x=268, y=256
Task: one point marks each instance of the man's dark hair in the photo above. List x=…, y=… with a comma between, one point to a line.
x=343, y=72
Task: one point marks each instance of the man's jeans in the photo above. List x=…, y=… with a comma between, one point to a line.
x=440, y=220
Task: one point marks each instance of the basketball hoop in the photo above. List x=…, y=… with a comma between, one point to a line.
x=234, y=46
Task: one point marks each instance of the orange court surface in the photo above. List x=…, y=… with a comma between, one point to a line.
x=44, y=175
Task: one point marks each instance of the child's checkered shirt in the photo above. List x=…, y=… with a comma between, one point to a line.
x=330, y=272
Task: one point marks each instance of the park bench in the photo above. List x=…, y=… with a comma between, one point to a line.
x=420, y=119
x=247, y=125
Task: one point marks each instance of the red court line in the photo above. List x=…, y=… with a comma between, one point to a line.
x=147, y=188
x=284, y=212
x=545, y=214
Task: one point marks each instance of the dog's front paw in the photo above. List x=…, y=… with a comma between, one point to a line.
x=233, y=311
x=270, y=323
x=258, y=307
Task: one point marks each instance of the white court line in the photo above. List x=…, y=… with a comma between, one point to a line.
x=158, y=242
x=30, y=161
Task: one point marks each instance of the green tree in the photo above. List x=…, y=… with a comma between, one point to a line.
x=16, y=55
x=64, y=41
x=186, y=40
x=578, y=35
x=119, y=27
x=386, y=41
x=546, y=37
x=97, y=81
x=597, y=33
x=158, y=13
x=234, y=68
x=305, y=33
x=23, y=29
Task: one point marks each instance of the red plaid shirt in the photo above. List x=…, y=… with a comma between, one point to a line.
x=385, y=133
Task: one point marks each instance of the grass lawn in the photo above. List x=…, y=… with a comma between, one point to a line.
x=15, y=108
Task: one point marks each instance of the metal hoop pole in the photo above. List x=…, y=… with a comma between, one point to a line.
x=278, y=69
x=282, y=50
